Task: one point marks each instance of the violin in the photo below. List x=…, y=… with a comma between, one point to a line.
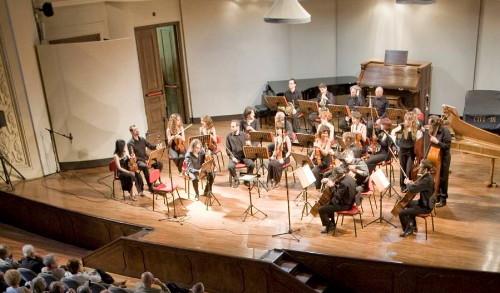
x=179, y=144
x=317, y=156
x=132, y=162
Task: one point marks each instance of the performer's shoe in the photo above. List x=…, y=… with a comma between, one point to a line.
x=327, y=228
x=441, y=203
x=235, y=183
x=407, y=232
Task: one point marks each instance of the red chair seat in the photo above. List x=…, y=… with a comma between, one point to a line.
x=164, y=187
x=353, y=211
x=240, y=165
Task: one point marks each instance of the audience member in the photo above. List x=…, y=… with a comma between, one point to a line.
x=76, y=273
x=57, y=287
x=31, y=260
x=52, y=268
x=6, y=261
x=38, y=285
x=83, y=289
x=13, y=279
x=198, y=288
x=147, y=282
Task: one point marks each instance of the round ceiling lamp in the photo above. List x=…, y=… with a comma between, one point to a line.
x=288, y=12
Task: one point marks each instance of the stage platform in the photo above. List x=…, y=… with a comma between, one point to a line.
x=466, y=235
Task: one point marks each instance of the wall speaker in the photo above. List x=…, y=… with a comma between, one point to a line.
x=3, y=121
x=47, y=9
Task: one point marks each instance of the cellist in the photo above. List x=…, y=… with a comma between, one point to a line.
x=409, y=133
x=441, y=137
x=176, y=140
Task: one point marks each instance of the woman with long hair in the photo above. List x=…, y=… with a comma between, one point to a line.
x=280, y=157
x=207, y=128
x=195, y=157
x=249, y=122
x=321, y=156
x=176, y=139
x=128, y=178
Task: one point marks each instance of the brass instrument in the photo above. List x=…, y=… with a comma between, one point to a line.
x=289, y=109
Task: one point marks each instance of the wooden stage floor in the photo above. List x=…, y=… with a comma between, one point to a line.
x=467, y=229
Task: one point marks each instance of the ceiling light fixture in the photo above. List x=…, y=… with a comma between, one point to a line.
x=287, y=11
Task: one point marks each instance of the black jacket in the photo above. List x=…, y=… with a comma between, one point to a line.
x=424, y=185
x=344, y=192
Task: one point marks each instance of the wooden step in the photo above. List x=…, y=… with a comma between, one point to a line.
x=317, y=285
x=272, y=255
x=286, y=265
x=304, y=277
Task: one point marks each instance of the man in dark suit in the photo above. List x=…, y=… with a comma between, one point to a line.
x=323, y=98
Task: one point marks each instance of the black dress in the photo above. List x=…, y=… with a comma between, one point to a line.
x=127, y=180
x=275, y=168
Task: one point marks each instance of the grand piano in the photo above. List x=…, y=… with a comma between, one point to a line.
x=404, y=85
x=473, y=140
x=337, y=85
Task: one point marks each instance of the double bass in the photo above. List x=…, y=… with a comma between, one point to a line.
x=424, y=149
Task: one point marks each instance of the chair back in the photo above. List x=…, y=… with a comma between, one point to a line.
x=184, y=167
x=26, y=274
x=95, y=287
x=154, y=175
x=70, y=283
x=113, y=168
x=49, y=278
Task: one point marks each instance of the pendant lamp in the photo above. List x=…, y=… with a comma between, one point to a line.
x=287, y=11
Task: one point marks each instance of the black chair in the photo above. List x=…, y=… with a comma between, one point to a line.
x=96, y=287
x=4, y=268
x=70, y=283
x=26, y=274
x=49, y=278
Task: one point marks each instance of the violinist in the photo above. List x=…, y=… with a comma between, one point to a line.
x=359, y=129
x=409, y=132
x=442, y=138
x=235, y=141
x=249, y=122
x=137, y=148
x=323, y=98
x=207, y=128
x=321, y=156
x=281, y=122
x=195, y=157
x=356, y=167
x=424, y=205
x=384, y=140
x=343, y=191
x=176, y=139
x=354, y=100
x=325, y=116
x=128, y=179
x=280, y=157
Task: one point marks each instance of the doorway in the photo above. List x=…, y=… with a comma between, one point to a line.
x=158, y=49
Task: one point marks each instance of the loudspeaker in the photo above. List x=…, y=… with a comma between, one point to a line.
x=3, y=121
x=47, y=9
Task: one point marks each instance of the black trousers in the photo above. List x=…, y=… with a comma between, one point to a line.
x=127, y=180
x=373, y=160
x=318, y=174
x=143, y=166
x=208, y=186
x=327, y=212
x=445, y=172
x=408, y=214
x=406, y=158
x=177, y=157
x=231, y=166
x=275, y=170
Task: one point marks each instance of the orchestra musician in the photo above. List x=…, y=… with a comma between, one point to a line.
x=325, y=116
x=281, y=122
x=323, y=98
x=249, y=122
x=443, y=140
x=195, y=157
x=176, y=139
x=424, y=205
x=355, y=99
x=128, y=178
x=357, y=167
x=420, y=116
x=379, y=102
x=137, y=148
x=343, y=191
x=384, y=141
x=409, y=133
x=293, y=95
x=207, y=128
x=280, y=157
x=235, y=141
x=321, y=156
x=358, y=127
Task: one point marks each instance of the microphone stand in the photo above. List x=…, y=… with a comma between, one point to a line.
x=54, y=147
x=290, y=230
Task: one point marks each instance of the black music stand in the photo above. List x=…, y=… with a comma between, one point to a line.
x=303, y=160
x=308, y=107
x=260, y=137
x=367, y=112
x=305, y=140
x=260, y=153
x=253, y=180
x=208, y=167
x=273, y=102
x=338, y=112
x=3, y=159
x=204, y=139
x=395, y=114
x=381, y=218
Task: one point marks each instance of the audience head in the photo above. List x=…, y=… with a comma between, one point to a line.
x=105, y=291
x=83, y=289
x=292, y=84
x=38, y=285
x=379, y=91
x=28, y=250
x=147, y=279
x=195, y=146
x=198, y=288
x=50, y=261
x=207, y=122
x=57, y=287
x=134, y=130
x=235, y=126
x=119, y=147
x=249, y=113
x=4, y=251
x=73, y=266
x=12, y=278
